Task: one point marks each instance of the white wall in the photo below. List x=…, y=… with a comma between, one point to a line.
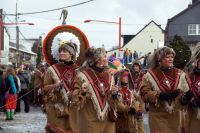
x=5, y=52
x=142, y=42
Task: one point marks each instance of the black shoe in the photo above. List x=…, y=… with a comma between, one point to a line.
x=26, y=111
x=17, y=111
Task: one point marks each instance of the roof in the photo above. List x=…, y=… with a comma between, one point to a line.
x=141, y=31
x=24, y=46
x=191, y=6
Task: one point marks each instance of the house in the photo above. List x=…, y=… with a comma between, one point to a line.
x=149, y=38
x=25, y=54
x=185, y=24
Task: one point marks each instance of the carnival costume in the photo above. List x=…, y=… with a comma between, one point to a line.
x=126, y=114
x=137, y=78
x=163, y=88
x=194, y=108
x=61, y=117
x=92, y=94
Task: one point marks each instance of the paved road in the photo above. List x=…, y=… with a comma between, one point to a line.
x=34, y=122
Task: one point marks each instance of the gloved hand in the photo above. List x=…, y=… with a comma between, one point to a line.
x=186, y=97
x=189, y=94
x=131, y=111
x=195, y=103
x=175, y=93
x=115, y=95
x=164, y=96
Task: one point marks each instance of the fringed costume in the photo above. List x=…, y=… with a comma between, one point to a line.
x=93, y=105
x=164, y=116
x=194, y=108
x=60, y=48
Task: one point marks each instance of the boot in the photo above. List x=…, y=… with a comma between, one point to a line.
x=7, y=115
x=11, y=115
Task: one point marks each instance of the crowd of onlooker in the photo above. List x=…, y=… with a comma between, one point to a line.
x=129, y=57
x=20, y=84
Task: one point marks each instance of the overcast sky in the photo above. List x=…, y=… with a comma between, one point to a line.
x=135, y=15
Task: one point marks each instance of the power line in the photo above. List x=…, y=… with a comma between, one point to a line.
x=52, y=9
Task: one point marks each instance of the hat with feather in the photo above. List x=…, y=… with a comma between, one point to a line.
x=65, y=37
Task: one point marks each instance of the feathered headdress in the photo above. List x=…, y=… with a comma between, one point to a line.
x=70, y=36
x=69, y=40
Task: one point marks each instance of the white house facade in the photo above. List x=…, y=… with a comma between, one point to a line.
x=146, y=40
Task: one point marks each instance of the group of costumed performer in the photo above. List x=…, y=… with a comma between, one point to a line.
x=167, y=90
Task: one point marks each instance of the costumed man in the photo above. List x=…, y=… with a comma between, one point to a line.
x=194, y=110
x=164, y=88
x=138, y=76
x=92, y=95
x=61, y=47
x=126, y=116
x=38, y=84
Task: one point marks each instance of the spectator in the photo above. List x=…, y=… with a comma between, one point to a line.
x=146, y=61
x=126, y=55
x=114, y=55
x=135, y=55
x=23, y=77
x=2, y=89
x=130, y=56
x=9, y=95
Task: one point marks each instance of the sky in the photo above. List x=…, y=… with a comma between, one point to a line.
x=135, y=15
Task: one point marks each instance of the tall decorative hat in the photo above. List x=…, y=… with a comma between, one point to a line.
x=68, y=36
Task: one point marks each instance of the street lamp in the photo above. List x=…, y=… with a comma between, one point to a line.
x=18, y=23
x=119, y=23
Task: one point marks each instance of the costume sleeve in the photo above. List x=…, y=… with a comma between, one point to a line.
x=118, y=105
x=79, y=96
x=49, y=82
x=185, y=83
x=138, y=103
x=147, y=93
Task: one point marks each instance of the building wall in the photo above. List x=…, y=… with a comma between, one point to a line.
x=179, y=25
x=142, y=41
x=5, y=52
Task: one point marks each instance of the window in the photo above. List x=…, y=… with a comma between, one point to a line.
x=193, y=29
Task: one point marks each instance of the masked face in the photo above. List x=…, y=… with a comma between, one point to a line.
x=65, y=55
x=167, y=61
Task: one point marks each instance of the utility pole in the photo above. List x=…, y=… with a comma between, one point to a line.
x=17, y=38
x=1, y=31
